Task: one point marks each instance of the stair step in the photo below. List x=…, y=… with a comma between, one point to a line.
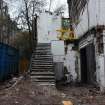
x=42, y=56
x=37, y=80
x=44, y=44
x=45, y=83
x=42, y=70
x=43, y=48
x=46, y=49
x=42, y=73
x=38, y=54
x=47, y=60
x=42, y=77
x=42, y=63
x=41, y=67
x=37, y=60
x=42, y=53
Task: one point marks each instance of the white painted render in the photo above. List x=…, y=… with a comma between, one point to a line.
x=58, y=50
x=93, y=15
x=48, y=24
x=94, y=12
x=70, y=62
x=101, y=73
x=47, y=33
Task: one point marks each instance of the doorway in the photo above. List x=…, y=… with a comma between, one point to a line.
x=88, y=64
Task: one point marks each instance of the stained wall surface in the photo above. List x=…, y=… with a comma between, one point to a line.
x=92, y=15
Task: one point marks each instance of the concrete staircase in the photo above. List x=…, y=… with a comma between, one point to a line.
x=42, y=70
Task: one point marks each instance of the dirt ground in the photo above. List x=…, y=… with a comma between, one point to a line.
x=24, y=92
x=83, y=95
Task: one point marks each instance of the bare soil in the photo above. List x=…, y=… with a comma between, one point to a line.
x=83, y=95
x=25, y=92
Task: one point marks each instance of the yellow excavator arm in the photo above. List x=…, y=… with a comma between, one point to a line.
x=66, y=34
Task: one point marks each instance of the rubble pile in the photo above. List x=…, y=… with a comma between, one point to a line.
x=83, y=95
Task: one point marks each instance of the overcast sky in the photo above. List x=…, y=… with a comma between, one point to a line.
x=55, y=3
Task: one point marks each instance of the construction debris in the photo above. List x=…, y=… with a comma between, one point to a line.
x=83, y=95
x=25, y=92
x=67, y=103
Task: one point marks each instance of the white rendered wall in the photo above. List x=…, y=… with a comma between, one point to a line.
x=96, y=17
x=48, y=25
x=58, y=51
x=70, y=62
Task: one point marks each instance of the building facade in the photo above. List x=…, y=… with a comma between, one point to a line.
x=47, y=26
x=87, y=20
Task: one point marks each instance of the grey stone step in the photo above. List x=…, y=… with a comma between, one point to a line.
x=42, y=53
x=45, y=59
x=38, y=56
x=37, y=80
x=41, y=70
x=42, y=56
x=42, y=67
x=43, y=48
x=45, y=83
x=42, y=77
x=44, y=44
x=42, y=63
x=38, y=65
x=42, y=73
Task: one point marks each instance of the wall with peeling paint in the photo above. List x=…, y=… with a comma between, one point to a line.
x=92, y=15
x=47, y=26
x=70, y=62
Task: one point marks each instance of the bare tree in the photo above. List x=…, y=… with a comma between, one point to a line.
x=29, y=9
x=60, y=9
